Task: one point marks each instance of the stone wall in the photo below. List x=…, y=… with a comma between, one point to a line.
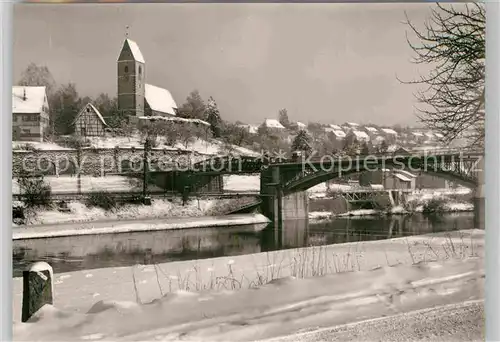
x=99, y=162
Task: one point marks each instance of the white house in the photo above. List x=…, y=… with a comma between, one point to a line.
x=335, y=127
x=301, y=125
x=273, y=124
x=371, y=130
x=389, y=131
x=361, y=136
x=339, y=134
x=30, y=113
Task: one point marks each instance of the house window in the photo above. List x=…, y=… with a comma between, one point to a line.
x=88, y=110
x=83, y=131
x=140, y=70
x=126, y=68
x=26, y=131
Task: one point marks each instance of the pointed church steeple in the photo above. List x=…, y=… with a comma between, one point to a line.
x=131, y=78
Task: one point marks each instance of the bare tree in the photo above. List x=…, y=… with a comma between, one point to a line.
x=452, y=42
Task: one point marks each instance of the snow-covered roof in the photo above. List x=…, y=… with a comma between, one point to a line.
x=402, y=177
x=250, y=128
x=173, y=118
x=160, y=99
x=393, y=148
x=439, y=135
x=429, y=135
x=337, y=133
x=407, y=173
x=273, y=123
x=377, y=186
x=301, y=125
x=389, y=131
x=336, y=127
x=28, y=99
x=94, y=109
x=360, y=134
x=417, y=134
x=371, y=129
x=352, y=124
x=134, y=48
x=379, y=138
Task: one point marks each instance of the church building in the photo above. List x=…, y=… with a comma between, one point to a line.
x=136, y=98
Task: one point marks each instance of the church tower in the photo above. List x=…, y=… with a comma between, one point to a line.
x=131, y=79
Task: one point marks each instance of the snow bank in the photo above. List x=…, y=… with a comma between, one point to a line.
x=29, y=232
x=242, y=183
x=29, y=145
x=283, y=306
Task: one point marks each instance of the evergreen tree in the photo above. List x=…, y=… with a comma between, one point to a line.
x=213, y=117
x=193, y=108
x=302, y=142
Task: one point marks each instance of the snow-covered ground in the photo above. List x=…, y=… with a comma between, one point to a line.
x=159, y=208
x=211, y=147
x=25, y=145
x=149, y=225
x=242, y=183
x=416, y=200
x=211, y=300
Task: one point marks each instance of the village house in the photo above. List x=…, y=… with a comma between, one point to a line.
x=389, y=134
x=301, y=126
x=418, y=137
x=361, y=136
x=252, y=129
x=273, y=125
x=335, y=127
x=30, y=113
x=371, y=131
x=89, y=122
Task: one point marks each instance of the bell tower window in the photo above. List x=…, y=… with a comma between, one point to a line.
x=126, y=68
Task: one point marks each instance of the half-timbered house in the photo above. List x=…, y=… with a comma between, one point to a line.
x=89, y=122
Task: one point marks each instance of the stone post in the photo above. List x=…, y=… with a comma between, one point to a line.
x=38, y=289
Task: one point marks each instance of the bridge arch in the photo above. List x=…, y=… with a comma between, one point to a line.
x=310, y=176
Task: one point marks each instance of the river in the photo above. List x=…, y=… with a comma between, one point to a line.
x=72, y=253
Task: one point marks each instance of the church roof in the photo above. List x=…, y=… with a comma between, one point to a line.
x=28, y=99
x=273, y=123
x=94, y=109
x=134, y=49
x=160, y=99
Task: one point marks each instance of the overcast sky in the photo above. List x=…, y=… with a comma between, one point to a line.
x=323, y=62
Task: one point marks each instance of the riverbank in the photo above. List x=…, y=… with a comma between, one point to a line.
x=210, y=299
x=439, y=201
x=159, y=209
x=95, y=228
x=149, y=282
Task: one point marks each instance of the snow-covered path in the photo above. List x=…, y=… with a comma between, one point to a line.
x=453, y=322
x=281, y=307
x=119, y=283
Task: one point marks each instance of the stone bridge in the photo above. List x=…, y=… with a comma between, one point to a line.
x=284, y=182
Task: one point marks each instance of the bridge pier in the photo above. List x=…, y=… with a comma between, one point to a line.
x=280, y=208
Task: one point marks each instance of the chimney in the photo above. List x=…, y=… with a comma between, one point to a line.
x=24, y=94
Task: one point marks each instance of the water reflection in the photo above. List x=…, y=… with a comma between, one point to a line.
x=110, y=250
